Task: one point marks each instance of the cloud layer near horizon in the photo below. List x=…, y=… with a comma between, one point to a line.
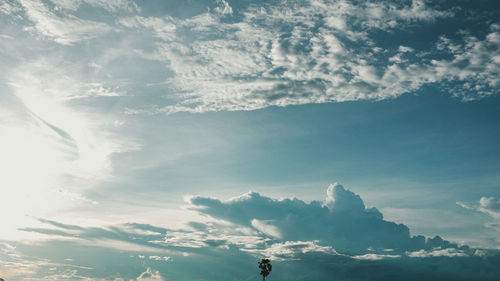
x=339, y=235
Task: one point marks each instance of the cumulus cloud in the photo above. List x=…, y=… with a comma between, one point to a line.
x=339, y=236
x=258, y=224
x=343, y=221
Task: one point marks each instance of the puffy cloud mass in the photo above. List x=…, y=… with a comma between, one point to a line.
x=338, y=237
x=343, y=221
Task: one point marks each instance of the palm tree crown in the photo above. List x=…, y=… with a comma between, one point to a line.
x=265, y=268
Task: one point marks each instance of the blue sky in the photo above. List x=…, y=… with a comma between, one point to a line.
x=169, y=140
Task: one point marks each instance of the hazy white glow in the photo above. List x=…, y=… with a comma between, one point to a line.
x=50, y=152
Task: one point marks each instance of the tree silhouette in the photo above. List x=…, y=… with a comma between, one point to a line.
x=265, y=268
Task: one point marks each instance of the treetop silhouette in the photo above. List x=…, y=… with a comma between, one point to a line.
x=265, y=268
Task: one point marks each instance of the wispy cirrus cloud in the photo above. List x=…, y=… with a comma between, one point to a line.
x=110, y=5
x=63, y=148
x=487, y=204
x=66, y=29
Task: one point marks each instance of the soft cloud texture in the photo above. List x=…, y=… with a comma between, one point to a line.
x=314, y=52
x=489, y=205
x=64, y=148
x=70, y=69
x=233, y=55
x=218, y=249
x=343, y=222
x=64, y=30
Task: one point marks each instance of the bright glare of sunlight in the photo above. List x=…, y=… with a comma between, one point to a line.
x=50, y=153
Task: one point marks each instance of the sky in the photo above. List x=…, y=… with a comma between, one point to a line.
x=186, y=140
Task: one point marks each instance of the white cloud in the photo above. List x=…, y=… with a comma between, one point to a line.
x=9, y=8
x=150, y=275
x=448, y=252
x=255, y=63
x=266, y=227
x=291, y=250
x=342, y=222
x=223, y=7
x=281, y=54
x=375, y=257
x=213, y=236
x=65, y=149
x=205, y=245
x=164, y=28
x=65, y=30
x=109, y=5
x=489, y=205
x=160, y=258
x=473, y=64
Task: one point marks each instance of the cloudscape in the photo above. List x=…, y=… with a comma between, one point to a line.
x=189, y=140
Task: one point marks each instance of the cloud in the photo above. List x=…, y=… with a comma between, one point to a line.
x=266, y=227
x=259, y=224
x=291, y=250
x=108, y=5
x=298, y=53
x=243, y=56
x=475, y=63
x=65, y=30
x=330, y=233
x=159, y=258
x=150, y=275
x=223, y=7
x=9, y=8
x=489, y=205
x=64, y=147
x=342, y=222
x=376, y=257
x=448, y=252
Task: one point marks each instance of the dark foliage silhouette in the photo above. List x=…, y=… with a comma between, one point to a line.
x=265, y=268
